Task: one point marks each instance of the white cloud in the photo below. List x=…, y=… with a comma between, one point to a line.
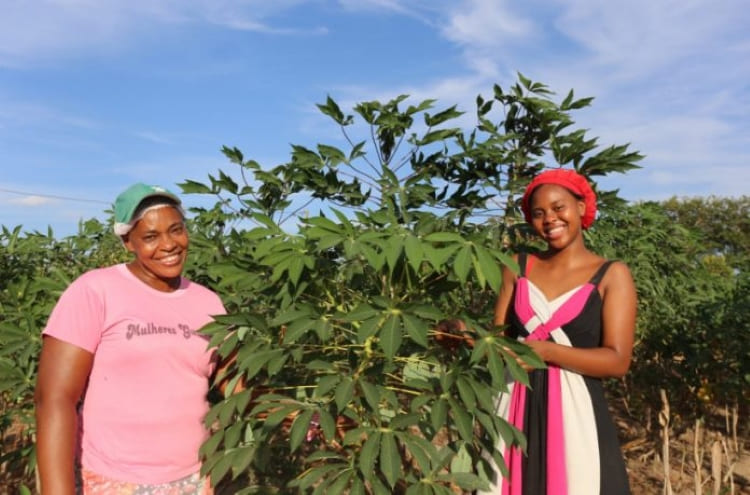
x=669, y=77
x=49, y=29
x=153, y=137
x=15, y=113
x=486, y=23
x=32, y=201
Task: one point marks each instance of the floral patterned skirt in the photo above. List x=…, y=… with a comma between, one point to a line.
x=95, y=484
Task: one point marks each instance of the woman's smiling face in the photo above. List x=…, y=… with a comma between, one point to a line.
x=556, y=214
x=159, y=241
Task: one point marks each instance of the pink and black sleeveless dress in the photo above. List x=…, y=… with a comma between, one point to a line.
x=572, y=445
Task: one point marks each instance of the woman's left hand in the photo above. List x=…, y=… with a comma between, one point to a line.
x=540, y=348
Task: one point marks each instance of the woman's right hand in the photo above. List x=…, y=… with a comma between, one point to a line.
x=451, y=333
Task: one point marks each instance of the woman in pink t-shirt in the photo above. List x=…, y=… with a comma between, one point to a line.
x=124, y=372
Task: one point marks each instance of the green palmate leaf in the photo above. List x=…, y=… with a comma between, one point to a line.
x=242, y=399
x=416, y=328
x=391, y=335
x=478, y=271
x=327, y=424
x=222, y=466
x=425, y=311
x=368, y=454
x=291, y=315
x=371, y=393
x=325, y=224
x=252, y=364
x=420, y=449
x=515, y=369
x=414, y=252
x=524, y=80
x=490, y=424
x=232, y=435
x=441, y=117
x=438, y=135
x=316, y=475
x=298, y=328
x=299, y=429
x=296, y=264
x=210, y=445
x=323, y=328
x=403, y=421
x=276, y=417
x=375, y=258
x=326, y=384
x=565, y=105
x=324, y=455
x=363, y=311
x=357, y=151
x=344, y=220
x=581, y=103
x=344, y=393
x=192, y=187
x=242, y=458
x=379, y=488
x=483, y=394
x=444, y=237
x=462, y=263
x=489, y=269
x=496, y=367
x=438, y=256
x=331, y=154
x=227, y=183
x=358, y=486
x=392, y=249
x=282, y=266
x=327, y=242
x=463, y=419
x=462, y=461
x=390, y=458
x=340, y=482
x=332, y=109
x=439, y=413
x=467, y=481
x=506, y=261
x=466, y=392
x=368, y=328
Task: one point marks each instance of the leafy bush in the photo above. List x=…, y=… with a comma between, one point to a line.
x=333, y=332
x=692, y=281
x=331, y=322
x=35, y=269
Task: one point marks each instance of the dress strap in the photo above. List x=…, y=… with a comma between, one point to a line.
x=600, y=273
x=525, y=261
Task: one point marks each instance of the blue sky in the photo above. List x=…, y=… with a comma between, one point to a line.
x=97, y=94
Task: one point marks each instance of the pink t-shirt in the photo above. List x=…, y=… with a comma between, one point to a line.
x=142, y=417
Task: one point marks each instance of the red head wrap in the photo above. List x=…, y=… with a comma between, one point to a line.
x=570, y=180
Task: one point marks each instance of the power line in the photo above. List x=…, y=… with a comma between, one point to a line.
x=53, y=196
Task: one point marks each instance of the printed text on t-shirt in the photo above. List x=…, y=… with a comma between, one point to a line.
x=150, y=328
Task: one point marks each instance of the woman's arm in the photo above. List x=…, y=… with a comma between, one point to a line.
x=505, y=296
x=223, y=376
x=612, y=358
x=61, y=380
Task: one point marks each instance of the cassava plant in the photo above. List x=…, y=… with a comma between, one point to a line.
x=337, y=266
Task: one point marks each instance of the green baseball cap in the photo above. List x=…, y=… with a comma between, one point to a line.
x=127, y=203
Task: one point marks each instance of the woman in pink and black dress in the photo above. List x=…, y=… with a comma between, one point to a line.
x=577, y=311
